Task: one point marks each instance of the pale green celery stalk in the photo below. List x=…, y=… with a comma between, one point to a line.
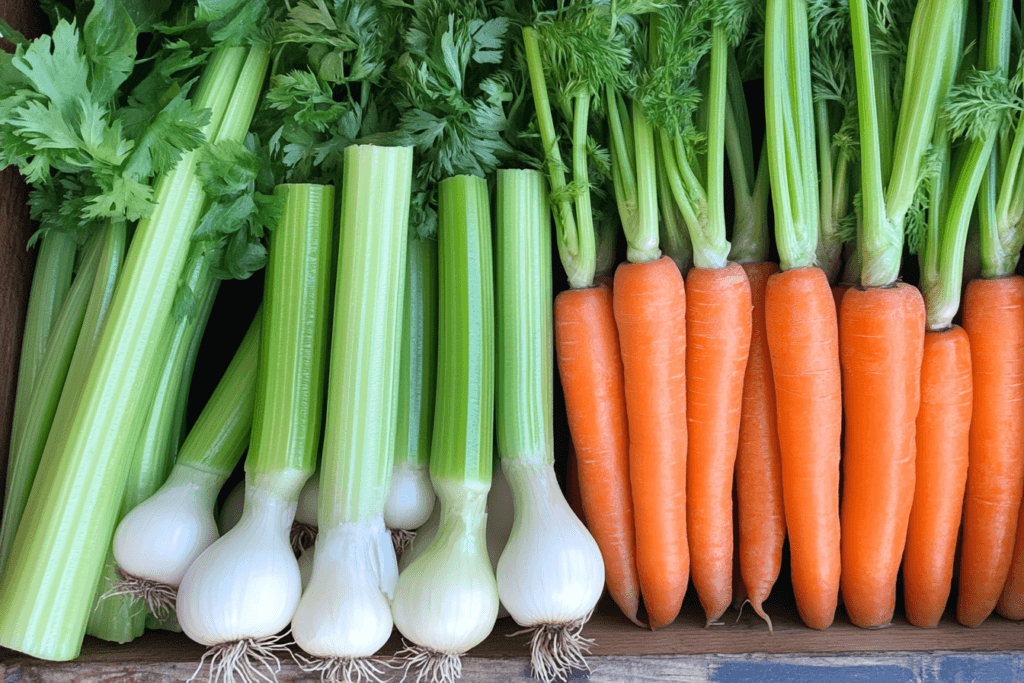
x=417, y=383
x=885, y=204
x=73, y=339
x=37, y=412
x=46, y=590
x=789, y=123
x=359, y=443
x=293, y=348
x=1001, y=206
x=179, y=428
x=576, y=241
x=464, y=412
x=525, y=365
x=51, y=281
x=634, y=176
x=120, y=618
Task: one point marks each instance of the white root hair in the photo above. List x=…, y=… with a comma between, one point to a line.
x=556, y=650
x=247, y=660
x=343, y=669
x=302, y=536
x=431, y=666
x=157, y=597
x=402, y=539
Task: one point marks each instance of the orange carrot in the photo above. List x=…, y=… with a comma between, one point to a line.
x=587, y=349
x=881, y=342
x=994, y=321
x=718, y=320
x=761, y=522
x=803, y=338
x=943, y=423
x=572, y=485
x=838, y=292
x=650, y=312
x=1011, y=601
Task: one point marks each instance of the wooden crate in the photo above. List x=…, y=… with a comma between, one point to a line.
x=685, y=651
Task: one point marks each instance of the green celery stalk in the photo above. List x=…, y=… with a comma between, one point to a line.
x=293, y=348
x=46, y=590
x=51, y=282
x=461, y=451
x=73, y=341
x=524, y=360
x=359, y=440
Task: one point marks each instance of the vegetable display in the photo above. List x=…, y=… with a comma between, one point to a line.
x=799, y=368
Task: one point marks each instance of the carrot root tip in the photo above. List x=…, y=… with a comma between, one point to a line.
x=556, y=650
x=759, y=611
x=740, y=610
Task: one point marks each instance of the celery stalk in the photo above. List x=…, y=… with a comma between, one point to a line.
x=50, y=284
x=46, y=590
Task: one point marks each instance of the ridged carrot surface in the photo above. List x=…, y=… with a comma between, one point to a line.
x=650, y=312
x=943, y=424
x=994, y=321
x=589, y=366
x=803, y=337
x=881, y=342
x=718, y=321
x=761, y=518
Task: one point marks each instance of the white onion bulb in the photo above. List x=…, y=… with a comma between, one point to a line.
x=247, y=584
x=161, y=537
x=447, y=599
x=410, y=497
x=344, y=610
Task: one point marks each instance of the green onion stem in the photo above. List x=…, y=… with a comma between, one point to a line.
x=293, y=349
x=524, y=309
x=464, y=410
x=359, y=439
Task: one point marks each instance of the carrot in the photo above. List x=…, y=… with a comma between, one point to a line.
x=587, y=349
x=994, y=321
x=650, y=312
x=718, y=321
x=803, y=338
x=762, y=521
x=1011, y=601
x=572, y=485
x=943, y=423
x=881, y=342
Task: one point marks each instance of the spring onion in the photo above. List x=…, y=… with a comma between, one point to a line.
x=343, y=617
x=244, y=588
x=446, y=600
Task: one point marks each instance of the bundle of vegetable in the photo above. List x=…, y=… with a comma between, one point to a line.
x=944, y=419
x=446, y=600
x=550, y=574
x=93, y=446
x=244, y=588
x=343, y=616
x=577, y=51
x=158, y=539
x=881, y=326
x=717, y=300
x=993, y=316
